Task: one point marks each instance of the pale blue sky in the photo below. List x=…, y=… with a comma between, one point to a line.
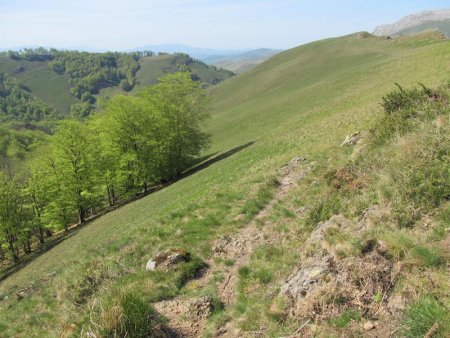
x=232, y=24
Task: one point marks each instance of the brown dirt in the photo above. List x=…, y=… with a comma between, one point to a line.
x=187, y=317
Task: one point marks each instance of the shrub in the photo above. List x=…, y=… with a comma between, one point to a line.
x=404, y=100
x=426, y=317
x=402, y=108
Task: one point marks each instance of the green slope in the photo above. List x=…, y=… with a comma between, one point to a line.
x=301, y=102
x=152, y=68
x=54, y=89
x=45, y=84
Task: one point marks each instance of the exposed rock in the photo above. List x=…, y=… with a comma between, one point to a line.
x=167, y=259
x=325, y=288
x=352, y=139
x=336, y=221
x=307, y=278
x=151, y=265
x=22, y=294
x=396, y=305
x=294, y=171
x=372, y=216
x=368, y=326
x=302, y=210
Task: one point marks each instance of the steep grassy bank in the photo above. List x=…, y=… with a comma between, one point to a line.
x=301, y=102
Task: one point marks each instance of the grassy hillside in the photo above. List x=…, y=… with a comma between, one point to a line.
x=302, y=102
x=54, y=89
x=45, y=84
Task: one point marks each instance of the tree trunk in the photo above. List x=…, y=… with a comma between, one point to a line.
x=26, y=247
x=41, y=235
x=81, y=215
x=12, y=249
x=145, y=188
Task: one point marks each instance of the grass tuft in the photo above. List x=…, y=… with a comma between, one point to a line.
x=426, y=317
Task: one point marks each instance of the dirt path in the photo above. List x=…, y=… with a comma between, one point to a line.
x=238, y=248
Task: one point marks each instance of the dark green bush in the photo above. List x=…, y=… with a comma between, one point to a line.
x=403, y=100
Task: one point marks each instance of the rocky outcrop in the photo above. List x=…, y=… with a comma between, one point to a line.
x=412, y=21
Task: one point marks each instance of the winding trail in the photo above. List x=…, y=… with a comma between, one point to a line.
x=189, y=320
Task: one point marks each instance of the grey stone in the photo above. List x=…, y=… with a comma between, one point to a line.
x=306, y=279
x=336, y=221
x=151, y=265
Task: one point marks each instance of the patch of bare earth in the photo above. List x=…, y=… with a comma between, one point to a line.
x=187, y=317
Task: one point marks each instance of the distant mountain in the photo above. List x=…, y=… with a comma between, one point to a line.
x=428, y=20
x=239, y=63
x=195, y=52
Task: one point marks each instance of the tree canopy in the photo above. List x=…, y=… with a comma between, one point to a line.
x=135, y=143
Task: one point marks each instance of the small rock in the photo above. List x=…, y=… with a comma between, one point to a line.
x=176, y=258
x=306, y=278
x=160, y=258
x=301, y=210
x=167, y=259
x=352, y=139
x=368, y=326
x=151, y=265
x=298, y=160
x=22, y=294
x=336, y=221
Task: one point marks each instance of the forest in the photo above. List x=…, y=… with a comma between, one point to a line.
x=86, y=166
x=18, y=104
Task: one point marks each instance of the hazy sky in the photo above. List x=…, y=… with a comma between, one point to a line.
x=231, y=24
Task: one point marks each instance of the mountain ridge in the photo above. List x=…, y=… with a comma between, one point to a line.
x=412, y=20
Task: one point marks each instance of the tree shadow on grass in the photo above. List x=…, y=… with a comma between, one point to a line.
x=200, y=164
